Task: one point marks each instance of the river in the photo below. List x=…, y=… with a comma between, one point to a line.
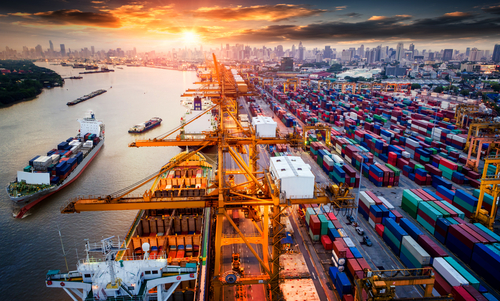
x=31, y=246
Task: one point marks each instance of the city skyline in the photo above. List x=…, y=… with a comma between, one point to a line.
x=109, y=24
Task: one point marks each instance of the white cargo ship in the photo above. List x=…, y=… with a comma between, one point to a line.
x=46, y=175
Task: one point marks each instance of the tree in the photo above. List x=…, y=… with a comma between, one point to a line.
x=465, y=92
x=438, y=89
x=415, y=86
x=495, y=87
x=335, y=68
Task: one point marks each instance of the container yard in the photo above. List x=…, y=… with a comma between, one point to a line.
x=333, y=192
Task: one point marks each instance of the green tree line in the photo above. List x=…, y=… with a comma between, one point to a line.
x=16, y=86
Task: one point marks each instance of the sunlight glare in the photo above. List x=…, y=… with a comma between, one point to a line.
x=190, y=37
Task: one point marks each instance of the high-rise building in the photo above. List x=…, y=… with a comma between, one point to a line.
x=346, y=55
x=279, y=51
x=496, y=53
x=474, y=55
x=301, y=52
x=286, y=64
x=412, y=51
x=431, y=56
x=92, y=50
x=399, y=51
x=361, y=51
x=51, y=46
x=328, y=53
x=63, y=50
x=467, y=51
x=447, y=55
x=38, y=50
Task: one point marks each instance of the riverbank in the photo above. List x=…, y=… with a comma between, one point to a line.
x=23, y=81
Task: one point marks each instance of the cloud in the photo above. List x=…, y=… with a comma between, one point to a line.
x=353, y=15
x=492, y=9
x=278, y=12
x=445, y=27
x=96, y=2
x=70, y=17
x=340, y=7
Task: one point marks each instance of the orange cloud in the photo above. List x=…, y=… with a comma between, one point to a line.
x=273, y=13
x=457, y=14
x=377, y=18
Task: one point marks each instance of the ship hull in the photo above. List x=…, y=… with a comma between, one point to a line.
x=27, y=202
x=152, y=126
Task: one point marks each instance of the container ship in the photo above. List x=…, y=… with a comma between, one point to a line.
x=164, y=253
x=146, y=126
x=86, y=97
x=45, y=175
x=194, y=108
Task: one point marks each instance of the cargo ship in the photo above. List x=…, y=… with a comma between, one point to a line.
x=197, y=128
x=86, y=97
x=45, y=175
x=164, y=254
x=146, y=126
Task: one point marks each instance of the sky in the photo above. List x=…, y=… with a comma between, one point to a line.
x=162, y=25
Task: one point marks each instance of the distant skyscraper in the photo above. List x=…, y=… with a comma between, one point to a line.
x=328, y=53
x=467, y=51
x=496, y=53
x=92, y=50
x=286, y=64
x=63, y=50
x=51, y=46
x=412, y=50
x=474, y=55
x=38, y=50
x=399, y=52
x=447, y=54
x=301, y=52
x=347, y=55
x=361, y=51
x=279, y=50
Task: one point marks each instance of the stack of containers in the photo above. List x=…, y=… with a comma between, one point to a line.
x=427, y=216
x=393, y=235
x=314, y=227
x=412, y=254
x=410, y=202
x=465, y=202
x=461, y=242
x=447, y=167
x=341, y=281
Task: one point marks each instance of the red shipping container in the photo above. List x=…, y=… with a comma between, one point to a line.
x=339, y=249
x=348, y=254
x=332, y=216
x=398, y=215
x=460, y=294
x=314, y=222
x=459, y=220
x=482, y=233
x=474, y=234
x=474, y=293
x=426, y=218
x=363, y=264
x=379, y=229
x=337, y=224
x=327, y=242
x=347, y=297
x=462, y=235
x=430, y=246
x=353, y=266
x=448, y=164
x=441, y=285
x=446, y=208
x=374, y=198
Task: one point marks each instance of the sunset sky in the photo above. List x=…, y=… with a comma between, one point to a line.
x=161, y=25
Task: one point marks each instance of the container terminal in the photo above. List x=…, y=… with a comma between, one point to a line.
x=318, y=191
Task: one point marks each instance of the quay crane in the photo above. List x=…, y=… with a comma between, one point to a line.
x=231, y=138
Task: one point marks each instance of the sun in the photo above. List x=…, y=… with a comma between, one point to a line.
x=190, y=37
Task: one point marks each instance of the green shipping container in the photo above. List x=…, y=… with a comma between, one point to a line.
x=425, y=224
x=441, y=210
x=472, y=281
x=457, y=211
x=429, y=210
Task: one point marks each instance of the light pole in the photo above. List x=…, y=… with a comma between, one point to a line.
x=359, y=190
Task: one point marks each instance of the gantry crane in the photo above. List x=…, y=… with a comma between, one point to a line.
x=479, y=130
x=380, y=285
x=490, y=184
x=477, y=146
x=295, y=82
x=231, y=138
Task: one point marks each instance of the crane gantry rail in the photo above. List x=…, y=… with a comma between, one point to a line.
x=231, y=138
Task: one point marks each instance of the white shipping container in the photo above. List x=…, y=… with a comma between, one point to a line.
x=405, y=154
x=349, y=242
x=416, y=250
x=55, y=158
x=448, y=272
x=371, y=222
x=264, y=126
x=342, y=233
x=366, y=199
x=328, y=160
x=339, y=261
x=337, y=159
x=386, y=203
x=294, y=176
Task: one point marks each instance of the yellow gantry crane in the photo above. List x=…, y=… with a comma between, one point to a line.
x=259, y=189
x=380, y=285
x=490, y=184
